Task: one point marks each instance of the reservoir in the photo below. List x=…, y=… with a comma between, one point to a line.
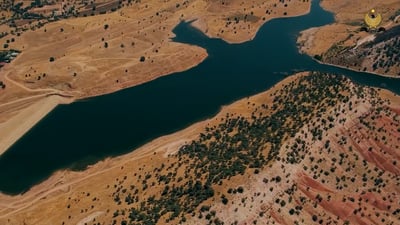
x=84, y=132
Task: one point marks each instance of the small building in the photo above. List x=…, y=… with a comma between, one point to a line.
x=372, y=19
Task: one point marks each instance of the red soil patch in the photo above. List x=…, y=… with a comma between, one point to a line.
x=306, y=181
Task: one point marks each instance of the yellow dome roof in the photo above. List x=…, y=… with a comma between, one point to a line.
x=373, y=19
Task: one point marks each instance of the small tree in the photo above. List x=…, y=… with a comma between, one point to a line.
x=142, y=58
x=224, y=200
x=318, y=57
x=52, y=59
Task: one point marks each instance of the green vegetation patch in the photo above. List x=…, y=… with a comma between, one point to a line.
x=8, y=55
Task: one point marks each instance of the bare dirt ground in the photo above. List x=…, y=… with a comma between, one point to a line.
x=90, y=218
x=95, y=55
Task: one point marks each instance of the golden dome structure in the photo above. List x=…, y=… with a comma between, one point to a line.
x=373, y=19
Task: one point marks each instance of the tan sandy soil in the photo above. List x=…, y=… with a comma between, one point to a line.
x=316, y=41
x=4, y=28
x=84, y=66
x=73, y=197
x=347, y=11
x=219, y=19
x=90, y=218
x=349, y=17
x=47, y=9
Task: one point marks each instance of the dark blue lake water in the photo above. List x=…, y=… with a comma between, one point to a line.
x=76, y=135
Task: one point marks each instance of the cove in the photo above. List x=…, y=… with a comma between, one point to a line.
x=76, y=135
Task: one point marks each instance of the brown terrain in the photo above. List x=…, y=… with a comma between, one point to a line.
x=314, y=149
x=345, y=44
x=80, y=55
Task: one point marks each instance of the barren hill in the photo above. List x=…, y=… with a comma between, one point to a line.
x=315, y=149
x=346, y=44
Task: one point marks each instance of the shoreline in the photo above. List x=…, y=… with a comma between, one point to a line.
x=328, y=7
x=18, y=125
x=18, y=130
x=62, y=184
x=352, y=69
x=198, y=24
x=62, y=181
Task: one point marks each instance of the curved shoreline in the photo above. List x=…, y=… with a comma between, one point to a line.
x=61, y=182
x=129, y=146
x=19, y=129
x=197, y=24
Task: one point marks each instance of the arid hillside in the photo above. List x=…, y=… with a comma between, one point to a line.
x=380, y=55
x=315, y=149
x=346, y=44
